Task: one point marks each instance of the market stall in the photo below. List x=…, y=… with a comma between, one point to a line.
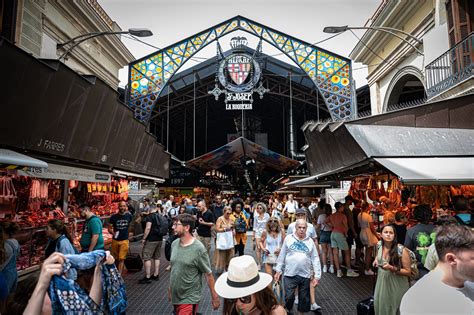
x=33, y=196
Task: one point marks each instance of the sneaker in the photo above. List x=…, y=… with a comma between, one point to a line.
x=339, y=273
x=155, y=278
x=315, y=307
x=325, y=268
x=168, y=268
x=145, y=281
x=351, y=273
x=369, y=273
x=331, y=269
x=296, y=300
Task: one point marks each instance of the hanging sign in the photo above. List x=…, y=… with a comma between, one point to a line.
x=239, y=74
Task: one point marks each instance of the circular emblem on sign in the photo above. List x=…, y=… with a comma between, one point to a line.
x=239, y=72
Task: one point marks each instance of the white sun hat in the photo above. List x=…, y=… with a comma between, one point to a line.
x=242, y=278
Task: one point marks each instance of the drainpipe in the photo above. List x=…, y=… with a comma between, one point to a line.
x=294, y=155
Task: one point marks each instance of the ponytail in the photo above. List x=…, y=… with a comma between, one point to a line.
x=60, y=228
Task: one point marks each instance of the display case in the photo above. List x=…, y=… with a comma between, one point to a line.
x=33, y=243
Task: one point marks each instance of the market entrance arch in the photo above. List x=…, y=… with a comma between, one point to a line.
x=331, y=73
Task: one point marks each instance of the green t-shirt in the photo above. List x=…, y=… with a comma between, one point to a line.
x=188, y=264
x=92, y=226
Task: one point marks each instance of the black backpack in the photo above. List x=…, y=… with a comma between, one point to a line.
x=168, y=243
x=161, y=224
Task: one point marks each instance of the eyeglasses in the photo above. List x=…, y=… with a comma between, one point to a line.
x=245, y=299
x=177, y=223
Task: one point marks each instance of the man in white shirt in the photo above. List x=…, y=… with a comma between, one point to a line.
x=290, y=208
x=443, y=290
x=302, y=267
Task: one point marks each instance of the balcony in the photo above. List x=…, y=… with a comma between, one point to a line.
x=451, y=69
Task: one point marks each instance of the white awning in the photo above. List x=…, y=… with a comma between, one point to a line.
x=11, y=160
x=56, y=171
x=126, y=173
x=431, y=170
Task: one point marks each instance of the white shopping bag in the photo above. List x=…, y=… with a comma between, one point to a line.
x=225, y=240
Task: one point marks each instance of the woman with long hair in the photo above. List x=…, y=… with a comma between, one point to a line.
x=259, y=223
x=368, y=235
x=325, y=238
x=224, y=224
x=270, y=242
x=246, y=290
x=393, y=263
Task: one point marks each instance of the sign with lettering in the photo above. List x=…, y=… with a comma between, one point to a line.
x=55, y=171
x=239, y=74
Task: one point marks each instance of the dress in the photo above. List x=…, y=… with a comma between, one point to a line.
x=259, y=224
x=223, y=256
x=389, y=289
x=367, y=237
x=272, y=244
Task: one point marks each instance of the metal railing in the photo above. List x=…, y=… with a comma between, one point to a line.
x=452, y=67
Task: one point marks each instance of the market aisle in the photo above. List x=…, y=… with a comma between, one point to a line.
x=334, y=295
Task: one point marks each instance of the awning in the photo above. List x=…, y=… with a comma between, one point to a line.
x=237, y=149
x=126, y=174
x=12, y=160
x=431, y=171
x=56, y=171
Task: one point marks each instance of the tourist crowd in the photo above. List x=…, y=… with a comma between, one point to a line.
x=294, y=245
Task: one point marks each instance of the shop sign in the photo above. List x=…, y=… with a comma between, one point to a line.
x=55, y=171
x=238, y=74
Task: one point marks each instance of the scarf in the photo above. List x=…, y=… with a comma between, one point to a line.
x=68, y=298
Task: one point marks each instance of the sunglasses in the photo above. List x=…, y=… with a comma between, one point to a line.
x=245, y=299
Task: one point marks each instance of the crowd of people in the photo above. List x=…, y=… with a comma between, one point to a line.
x=293, y=244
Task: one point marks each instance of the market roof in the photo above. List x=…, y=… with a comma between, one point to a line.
x=238, y=149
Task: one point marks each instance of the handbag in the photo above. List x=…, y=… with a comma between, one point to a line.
x=271, y=259
x=279, y=292
x=225, y=240
x=133, y=262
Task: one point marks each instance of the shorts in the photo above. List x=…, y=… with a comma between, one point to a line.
x=120, y=249
x=325, y=237
x=291, y=283
x=185, y=309
x=338, y=240
x=292, y=217
x=151, y=250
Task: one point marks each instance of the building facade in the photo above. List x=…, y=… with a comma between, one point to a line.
x=38, y=26
x=435, y=63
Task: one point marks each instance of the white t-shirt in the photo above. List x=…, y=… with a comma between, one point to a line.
x=322, y=221
x=291, y=206
x=310, y=231
x=430, y=295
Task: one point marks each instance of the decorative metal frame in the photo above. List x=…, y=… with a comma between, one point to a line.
x=331, y=73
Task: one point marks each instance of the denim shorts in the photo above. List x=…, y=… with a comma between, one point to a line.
x=325, y=237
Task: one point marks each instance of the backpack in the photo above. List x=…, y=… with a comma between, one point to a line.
x=413, y=262
x=240, y=225
x=161, y=225
x=168, y=243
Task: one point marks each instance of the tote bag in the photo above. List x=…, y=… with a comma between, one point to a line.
x=225, y=240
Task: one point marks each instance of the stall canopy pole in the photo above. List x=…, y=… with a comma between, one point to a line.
x=65, y=196
x=168, y=122
x=205, y=135
x=184, y=132
x=194, y=115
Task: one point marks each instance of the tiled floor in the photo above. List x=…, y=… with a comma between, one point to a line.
x=334, y=295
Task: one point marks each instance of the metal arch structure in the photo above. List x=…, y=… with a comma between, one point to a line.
x=331, y=73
